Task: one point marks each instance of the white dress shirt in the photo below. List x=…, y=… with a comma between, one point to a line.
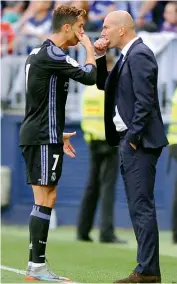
x=120, y=125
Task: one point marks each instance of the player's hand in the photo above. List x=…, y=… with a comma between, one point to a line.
x=83, y=39
x=101, y=46
x=67, y=147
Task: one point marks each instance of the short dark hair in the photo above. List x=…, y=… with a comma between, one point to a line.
x=65, y=15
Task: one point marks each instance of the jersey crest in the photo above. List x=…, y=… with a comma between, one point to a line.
x=71, y=61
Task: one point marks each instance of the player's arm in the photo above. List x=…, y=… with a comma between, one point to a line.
x=58, y=61
x=90, y=53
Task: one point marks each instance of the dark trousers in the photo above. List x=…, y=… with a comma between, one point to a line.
x=173, y=151
x=138, y=169
x=101, y=186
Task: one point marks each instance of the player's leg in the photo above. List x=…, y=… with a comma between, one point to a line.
x=44, y=199
x=44, y=165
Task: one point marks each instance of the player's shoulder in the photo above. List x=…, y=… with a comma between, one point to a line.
x=38, y=54
x=55, y=52
x=34, y=53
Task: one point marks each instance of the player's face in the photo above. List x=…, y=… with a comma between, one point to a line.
x=78, y=27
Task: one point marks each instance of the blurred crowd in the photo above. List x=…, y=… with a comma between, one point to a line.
x=33, y=18
x=25, y=24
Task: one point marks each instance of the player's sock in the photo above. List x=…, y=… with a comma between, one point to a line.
x=39, y=227
x=30, y=252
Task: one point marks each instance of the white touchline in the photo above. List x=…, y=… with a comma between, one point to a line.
x=23, y=272
x=18, y=271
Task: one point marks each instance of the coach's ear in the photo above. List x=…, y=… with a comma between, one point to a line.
x=68, y=135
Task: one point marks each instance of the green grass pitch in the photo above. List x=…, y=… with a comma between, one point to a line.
x=82, y=262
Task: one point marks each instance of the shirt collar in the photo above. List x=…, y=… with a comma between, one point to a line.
x=127, y=46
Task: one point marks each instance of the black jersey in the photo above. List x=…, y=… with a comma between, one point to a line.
x=48, y=70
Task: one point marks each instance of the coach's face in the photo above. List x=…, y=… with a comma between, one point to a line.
x=76, y=28
x=112, y=32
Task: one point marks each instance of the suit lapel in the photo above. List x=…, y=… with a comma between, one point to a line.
x=111, y=86
x=115, y=71
x=139, y=40
x=111, y=74
x=123, y=61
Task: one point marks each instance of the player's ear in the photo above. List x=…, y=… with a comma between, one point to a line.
x=66, y=28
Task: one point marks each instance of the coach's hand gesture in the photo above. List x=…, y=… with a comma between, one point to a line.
x=100, y=46
x=67, y=147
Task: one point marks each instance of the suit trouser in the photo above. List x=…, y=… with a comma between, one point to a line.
x=101, y=186
x=173, y=151
x=138, y=168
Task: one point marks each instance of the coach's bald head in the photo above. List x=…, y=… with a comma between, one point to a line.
x=118, y=28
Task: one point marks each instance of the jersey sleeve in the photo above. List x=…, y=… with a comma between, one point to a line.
x=58, y=61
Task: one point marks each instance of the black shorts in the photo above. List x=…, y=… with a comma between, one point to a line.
x=43, y=163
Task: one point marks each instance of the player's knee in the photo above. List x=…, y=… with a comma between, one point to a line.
x=45, y=196
x=47, y=200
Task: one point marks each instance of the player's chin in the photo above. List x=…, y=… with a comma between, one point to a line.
x=74, y=42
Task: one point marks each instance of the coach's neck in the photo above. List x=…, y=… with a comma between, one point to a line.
x=126, y=39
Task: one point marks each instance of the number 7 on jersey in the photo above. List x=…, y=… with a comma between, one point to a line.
x=56, y=157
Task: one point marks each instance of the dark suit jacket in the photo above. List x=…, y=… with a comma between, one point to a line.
x=134, y=88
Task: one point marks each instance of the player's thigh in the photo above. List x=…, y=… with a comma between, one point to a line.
x=43, y=189
x=54, y=163
x=43, y=164
x=45, y=195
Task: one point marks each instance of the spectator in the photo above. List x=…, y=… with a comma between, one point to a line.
x=13, y=11
x=39, y=26
x=28, y=13
x=36, y=28
x=145, y=13
x=156, y=7
x=13, y=77
x=97, y=13
x=11, y=15
x=81, y=5
x=7, y=38
x=143, y=21
x=170, y=16
x=64, y=2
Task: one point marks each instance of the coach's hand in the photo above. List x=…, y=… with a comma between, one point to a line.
x=67, y=147
x=100, y=46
